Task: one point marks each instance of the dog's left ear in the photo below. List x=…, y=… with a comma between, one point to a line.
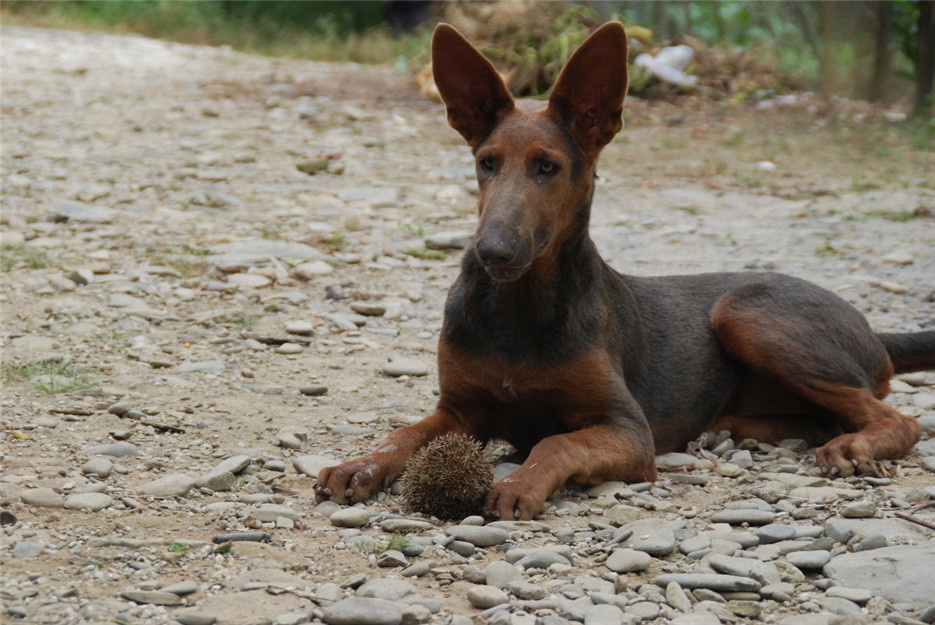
x=588, y=95
x=470, y=86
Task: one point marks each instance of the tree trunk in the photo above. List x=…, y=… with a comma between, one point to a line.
x=925, y=59
x=876, y=90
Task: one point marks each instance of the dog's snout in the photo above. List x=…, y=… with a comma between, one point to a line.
x=495, y=250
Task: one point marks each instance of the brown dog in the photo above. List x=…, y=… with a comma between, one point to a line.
x=592, y=373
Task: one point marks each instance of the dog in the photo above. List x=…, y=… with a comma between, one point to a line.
x=590, y=372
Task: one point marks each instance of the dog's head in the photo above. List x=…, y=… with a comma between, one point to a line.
x=535, y=161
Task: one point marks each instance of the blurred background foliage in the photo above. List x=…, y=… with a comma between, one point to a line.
x=743, y=48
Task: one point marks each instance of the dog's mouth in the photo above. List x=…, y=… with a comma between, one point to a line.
x=506, y=273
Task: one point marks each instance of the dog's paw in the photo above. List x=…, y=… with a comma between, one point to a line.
x=514, y=499
x=352, y=481
x=845, y=455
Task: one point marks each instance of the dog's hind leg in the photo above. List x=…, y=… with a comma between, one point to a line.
x=814, y=346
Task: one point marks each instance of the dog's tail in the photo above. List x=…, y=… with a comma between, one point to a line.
x=910, y=351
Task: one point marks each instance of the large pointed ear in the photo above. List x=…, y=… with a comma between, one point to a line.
x=588, y=95
x=469, y=85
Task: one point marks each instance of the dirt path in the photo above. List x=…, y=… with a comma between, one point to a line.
x=165, y=253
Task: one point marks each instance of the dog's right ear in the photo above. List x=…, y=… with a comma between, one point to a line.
x=470, y=86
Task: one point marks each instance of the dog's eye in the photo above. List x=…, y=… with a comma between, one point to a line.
x=486, y=164
x=547, y=168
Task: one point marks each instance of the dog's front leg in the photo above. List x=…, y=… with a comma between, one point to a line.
x=358, y=479
x=585, y=457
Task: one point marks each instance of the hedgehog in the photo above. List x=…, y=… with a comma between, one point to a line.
x=448, y=478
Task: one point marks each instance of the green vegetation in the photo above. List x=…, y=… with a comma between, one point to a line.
x=117, y=341
x=178, y=548
x=425, y=254
x=49, y=376
x=13, y=254
x=325, y=30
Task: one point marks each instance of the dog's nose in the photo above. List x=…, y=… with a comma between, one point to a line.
x=495, y=250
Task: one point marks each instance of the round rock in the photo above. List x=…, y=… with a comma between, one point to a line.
x=88, y=501
x=169, y=486
x=484, y=597
x=483, y=536
x=628, y=561
x=350, y=517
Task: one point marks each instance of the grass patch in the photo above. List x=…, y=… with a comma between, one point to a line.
x=397, y=542
x=862, y=186
x=921, y=212
x=827, y=250
x=117, y=341
x=425, y=254
x=178, y=548
x=243, y=319
x=12, y=255
x=49, y=376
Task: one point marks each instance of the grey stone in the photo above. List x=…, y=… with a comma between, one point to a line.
x=809, y=559
x=234, y=464
x=856, y=595
x=194, y=616
x=763, y=572
x=483, y=536
x=675, y=460
x=99, y=467
x=181, y=588
x=677, y=598
x=121, y=449
x=405, y=366
x=719, y=583
x=27, y=549
x=862, y=509
x=391, y=558
x=750, y=516
x=256, y=252
x=43, y=497
x=88, y=501
x=543, y=559
x=603, y=614
x=269, y=512
x=169, y=486
x=499, y=573
x=652, y=537
x=351, y=517
x=900, y=574
x=216, y=480
x=449, y=240
x=363, y=611
x=386, y=588
x=628, y=561
x=266, y=577
x=774, y=532
x=484, y=597
x=154, y=597
x=405, y=526
x=311, y=465
x=697, y=618
x=70, y=210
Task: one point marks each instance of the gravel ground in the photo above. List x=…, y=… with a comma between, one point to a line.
x=222, y=272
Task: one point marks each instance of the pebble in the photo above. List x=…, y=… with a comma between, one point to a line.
x=774, y=533
x=607, y=615
x=155, y=597
x=484, y=597
x=43, y=497
x=479, y=536
x=98, y=467
x=92, y=502
x=351, y=517
x=740, y=516
x=120, y=449
x=310, y=465
x=628, y=561
x=405, y=366
x=862, y=509
x=362, y=611
x=499, y=573
x=169, y=486
x=718, y=583
x=809, y=559
x=27, y=549
x=386, y=588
